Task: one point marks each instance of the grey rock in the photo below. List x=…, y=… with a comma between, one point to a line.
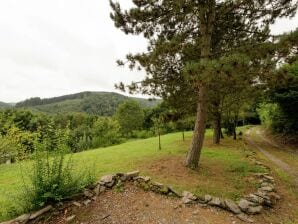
x=70, y=218
x=96, y=190
x=119, y=174
x=262, y=194
x=259, y=163
x=266, y=184
x=142, y=178
x=207, y=198
x=23, y=218
x=124, y=178
x=186, y=200
x=131, y=175
x=273, y=195
x=232, y=206
x=270, y=178
x=176, y=193
x=245, y=204
x=189, y=195
x=76, y=204
x=87, y=202
x=159, y=188
x=157, y=184
x=110, y=184
x=215, y=202
x=40, y=212
x=244, y=218
x=260, y=175
x=255, y=198
x=164, y=190
x=107, y=178
x=254, y=210
x=87, y=193
x=267, y=188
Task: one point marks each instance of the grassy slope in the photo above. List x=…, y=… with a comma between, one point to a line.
x=222, y=173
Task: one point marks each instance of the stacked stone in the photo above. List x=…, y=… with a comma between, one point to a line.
x=249, y=205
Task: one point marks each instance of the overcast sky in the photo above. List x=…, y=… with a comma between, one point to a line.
x=55, y=47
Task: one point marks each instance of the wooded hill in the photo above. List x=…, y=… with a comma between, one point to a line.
x=96, y=103
x=5, y=105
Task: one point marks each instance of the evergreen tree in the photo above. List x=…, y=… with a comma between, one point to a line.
x=183, y=33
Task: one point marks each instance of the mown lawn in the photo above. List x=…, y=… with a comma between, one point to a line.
x=224, y=169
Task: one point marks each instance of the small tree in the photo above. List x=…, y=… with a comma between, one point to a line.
x=158, y=123
x=8, y=149
x=185, y=124
x=130, y=117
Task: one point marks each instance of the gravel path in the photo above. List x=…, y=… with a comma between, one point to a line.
x=278, y=162
x=135, y=206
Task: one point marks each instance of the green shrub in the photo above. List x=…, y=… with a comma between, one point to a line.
x=273, y=118
x=142, y=134
x=53, y=177
x=106, y=132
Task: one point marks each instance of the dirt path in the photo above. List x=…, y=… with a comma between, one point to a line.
x=134, y=206
x=277, y=161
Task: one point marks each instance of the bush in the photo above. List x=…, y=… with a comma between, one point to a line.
x=106, y=131
x=142, y=134
x=274, y=119
x=53, y=177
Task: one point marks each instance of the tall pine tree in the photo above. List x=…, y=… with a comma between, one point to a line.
x=184, y=33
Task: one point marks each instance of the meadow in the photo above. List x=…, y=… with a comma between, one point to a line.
x=225, y=170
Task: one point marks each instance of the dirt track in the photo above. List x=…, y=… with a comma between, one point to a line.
x=278, y=162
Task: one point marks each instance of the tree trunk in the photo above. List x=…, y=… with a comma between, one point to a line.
x=193, y=156
x=221, y=134
x=206, y=20
x=159, y=144
x=217, y=128
x=235, y=127
x=183, y=135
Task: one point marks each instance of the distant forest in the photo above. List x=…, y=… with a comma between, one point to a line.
x=94, y=103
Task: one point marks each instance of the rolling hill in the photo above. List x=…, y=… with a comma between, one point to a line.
x=96, y=103
x=5, y=105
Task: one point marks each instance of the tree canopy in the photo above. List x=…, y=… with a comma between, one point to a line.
x=193, y=36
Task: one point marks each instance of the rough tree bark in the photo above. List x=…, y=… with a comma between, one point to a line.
x=207, y=18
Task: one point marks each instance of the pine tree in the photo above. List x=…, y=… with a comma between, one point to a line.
x=184, y=33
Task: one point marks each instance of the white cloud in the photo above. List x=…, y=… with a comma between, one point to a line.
x=50, y=48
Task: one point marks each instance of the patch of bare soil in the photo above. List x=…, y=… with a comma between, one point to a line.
x=213, y=177
x=134, y=206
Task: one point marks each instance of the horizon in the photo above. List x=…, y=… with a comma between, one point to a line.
x=117, y=92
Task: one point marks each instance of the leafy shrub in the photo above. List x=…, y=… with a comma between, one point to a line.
x=142, y=134
x=106, y=131
x=8, y=150
x=273, y=118
x=53, y=176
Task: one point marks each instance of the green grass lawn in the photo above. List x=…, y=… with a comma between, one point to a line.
x=224, y=169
